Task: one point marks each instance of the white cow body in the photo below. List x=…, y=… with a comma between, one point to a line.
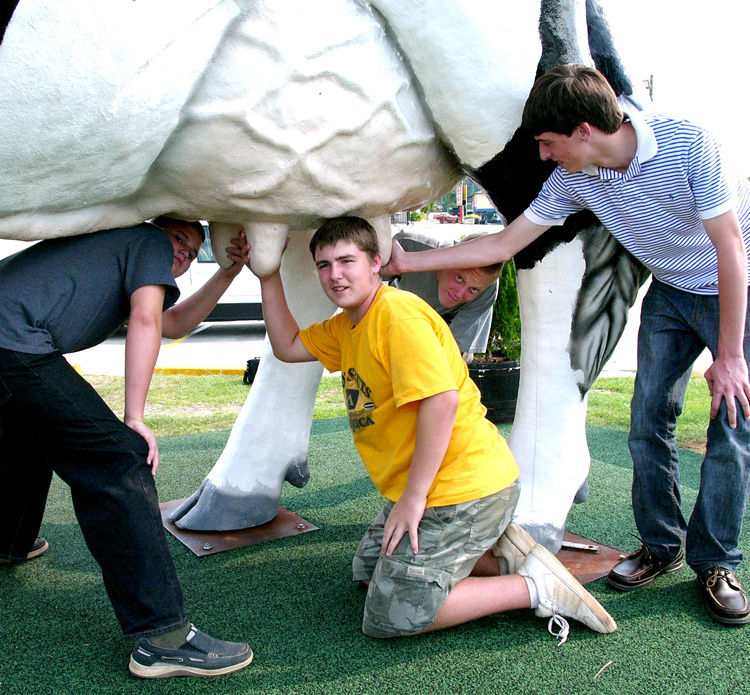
x=276, y=115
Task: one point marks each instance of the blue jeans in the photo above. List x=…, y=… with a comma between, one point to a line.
x=52, y=420
x=675, y=328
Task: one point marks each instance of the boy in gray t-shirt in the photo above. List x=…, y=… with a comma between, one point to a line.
x=64, y=295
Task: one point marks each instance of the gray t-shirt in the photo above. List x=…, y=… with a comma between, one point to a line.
x=72, y=293
x=469, y=323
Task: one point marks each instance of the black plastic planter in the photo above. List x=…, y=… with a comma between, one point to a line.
x=251, y=371
x=498, y=384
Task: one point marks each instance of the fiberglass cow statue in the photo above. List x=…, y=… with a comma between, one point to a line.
x=278, y=114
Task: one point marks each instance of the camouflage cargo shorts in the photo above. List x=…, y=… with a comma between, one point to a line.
x=406, y=591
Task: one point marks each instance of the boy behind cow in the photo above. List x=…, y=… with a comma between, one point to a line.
x=448, y=477
x=464, y=297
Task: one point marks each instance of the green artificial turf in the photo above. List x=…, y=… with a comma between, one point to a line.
x=294, y=602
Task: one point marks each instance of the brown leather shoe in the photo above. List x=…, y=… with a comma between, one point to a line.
x=640, y=569
x=724, y=596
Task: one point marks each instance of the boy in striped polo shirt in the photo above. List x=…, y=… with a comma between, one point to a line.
x=659, y=187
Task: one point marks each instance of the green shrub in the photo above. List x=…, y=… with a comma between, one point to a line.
x=505, y=333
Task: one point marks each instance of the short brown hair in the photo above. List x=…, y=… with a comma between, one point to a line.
x=165, y=221
x=568, y=95
x=489, y=270
x=353, y=229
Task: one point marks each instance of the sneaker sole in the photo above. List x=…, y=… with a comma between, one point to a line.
x=30, y=556
x=677, y=565
x=165, y=670
x=520, y=538
x=607, y=623
x=38, y=551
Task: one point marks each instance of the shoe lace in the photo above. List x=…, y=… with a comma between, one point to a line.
x=559, y=628
x=644, y=547
x=717, y=573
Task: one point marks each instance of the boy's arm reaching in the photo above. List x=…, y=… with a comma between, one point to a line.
x=282, y=329
x=435, y=420
x=186, y=315
x=477, y=253
x=141, y=351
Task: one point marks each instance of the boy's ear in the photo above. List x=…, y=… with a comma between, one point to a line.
x=377, y=262
x=584, y=131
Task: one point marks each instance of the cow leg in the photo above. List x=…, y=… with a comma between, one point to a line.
x=269, y=441
x=548, y=438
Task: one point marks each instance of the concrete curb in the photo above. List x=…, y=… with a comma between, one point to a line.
x=190, y=371
x=198, y=371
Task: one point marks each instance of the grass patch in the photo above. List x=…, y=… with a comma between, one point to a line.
x=609, y=406
x=186, y=404
x=330, y=401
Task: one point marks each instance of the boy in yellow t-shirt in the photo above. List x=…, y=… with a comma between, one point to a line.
x=447, y=475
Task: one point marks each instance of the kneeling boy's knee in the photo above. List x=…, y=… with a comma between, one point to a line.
x=403, y=599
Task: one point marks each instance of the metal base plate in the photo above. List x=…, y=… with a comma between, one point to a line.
x=587, y=566
x=284, y=524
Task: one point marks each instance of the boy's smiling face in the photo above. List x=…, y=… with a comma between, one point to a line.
x=461, y=286
x=186, y=242
x=348, y=276
x=571, y=152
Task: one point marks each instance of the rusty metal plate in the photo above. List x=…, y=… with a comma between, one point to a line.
x=587, y=566
x=284, y=524
x=584, y=566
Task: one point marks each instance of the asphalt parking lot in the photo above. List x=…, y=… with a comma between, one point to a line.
x=210, y=348
x=225, y=347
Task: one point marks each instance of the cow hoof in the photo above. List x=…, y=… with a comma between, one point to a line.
x=547, y=535
x=211, y=508
x=583, y=493
x=298, y=474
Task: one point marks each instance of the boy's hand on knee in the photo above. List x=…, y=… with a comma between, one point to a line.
x=153, y=450
x=727, y=380
x=404, y=518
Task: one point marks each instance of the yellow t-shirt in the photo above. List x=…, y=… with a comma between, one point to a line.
x=399, y=354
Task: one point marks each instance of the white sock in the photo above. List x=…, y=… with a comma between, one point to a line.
x=533, y=593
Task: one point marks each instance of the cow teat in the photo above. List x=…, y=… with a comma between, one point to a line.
x=267, y=241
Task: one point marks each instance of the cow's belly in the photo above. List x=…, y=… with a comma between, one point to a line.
x=300, y=118
x=304, y=111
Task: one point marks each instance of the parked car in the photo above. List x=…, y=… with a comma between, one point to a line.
x=446, y=218
x=490, y=217
x=241, y=302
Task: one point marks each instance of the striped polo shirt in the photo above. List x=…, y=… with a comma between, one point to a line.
x=655, y=209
